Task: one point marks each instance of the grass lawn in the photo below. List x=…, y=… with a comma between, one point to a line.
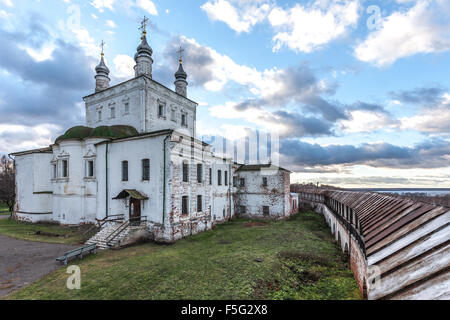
x=4, y=211
x=241, y=259
x=42, y=232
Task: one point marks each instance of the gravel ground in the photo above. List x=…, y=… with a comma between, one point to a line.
x=23, y=262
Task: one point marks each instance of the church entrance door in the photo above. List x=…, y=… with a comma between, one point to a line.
x=135, y=211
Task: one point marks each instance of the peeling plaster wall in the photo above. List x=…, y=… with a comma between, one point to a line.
x=254, y=195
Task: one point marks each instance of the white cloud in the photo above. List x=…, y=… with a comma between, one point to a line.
x=14, y=138
x=124, y=65
x=7, y=3
x=239, y=15
x=111, y=24
x=259, y=117
x=434, y=121
x=307, y=28
x=424, y=28
x=45, y=53
x=366, y=121
x=148, y=6
x=225, y=70
x=100, y=5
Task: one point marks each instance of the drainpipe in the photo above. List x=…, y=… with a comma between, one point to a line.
x=164, y=180
x=106, y=178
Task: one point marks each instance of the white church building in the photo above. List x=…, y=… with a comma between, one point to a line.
x=137, y=156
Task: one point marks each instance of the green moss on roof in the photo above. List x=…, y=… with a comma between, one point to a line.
x=113, y=132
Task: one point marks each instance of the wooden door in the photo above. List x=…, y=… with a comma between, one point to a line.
x=135, y=210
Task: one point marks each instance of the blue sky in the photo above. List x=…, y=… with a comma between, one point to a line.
x=358, y=91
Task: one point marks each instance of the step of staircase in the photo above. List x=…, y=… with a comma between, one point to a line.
x=100, y=237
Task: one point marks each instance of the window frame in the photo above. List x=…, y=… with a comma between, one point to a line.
x=125, y=171
x=145, y=165
x=199, y=203
x=219, y=177
x=199, y=172
x=185, y=171
x=184, y=205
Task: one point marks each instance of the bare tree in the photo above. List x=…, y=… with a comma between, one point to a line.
x=7, y=183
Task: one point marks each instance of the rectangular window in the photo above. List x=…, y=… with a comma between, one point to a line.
x=234, y=182
x=113, y=112
x=172, y=115
x=219, y=177
x=55, y=171
x=184, y=120
x=185, y=172
x=199, y=173
x=226, y=178
x=161, y=111
x=124, y=170
x=65, y=168
x=145, y=169
x=199, y=204
x=127, y=108
x=264, y=181
x=242, y=182
x=266, y=210
x=99, y=114
x=90, y=169
x=242, y=209
x=184, y=205
x=210, y=176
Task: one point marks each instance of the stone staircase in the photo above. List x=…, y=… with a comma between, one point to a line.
x=101, y=238
x=113, y=233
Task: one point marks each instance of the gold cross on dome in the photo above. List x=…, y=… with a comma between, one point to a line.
x=102, y=45
x=144, y=25
x=180, y=54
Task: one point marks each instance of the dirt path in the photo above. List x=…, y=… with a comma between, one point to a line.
x=23, y=262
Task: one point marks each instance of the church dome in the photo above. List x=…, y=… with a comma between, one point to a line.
x=113, y=132
x=181, y=74
x=102, y=68
x=144, y=49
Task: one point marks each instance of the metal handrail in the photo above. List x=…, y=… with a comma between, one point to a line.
x=122, y=227
x=102, y=222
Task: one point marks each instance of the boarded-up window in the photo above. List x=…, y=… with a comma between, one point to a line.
x=124, y=170
x=199, y=204
x=266, y=210
x=65, y=168
x=199, y=173
x=219, y=177
x=184, y=205
x=146, y=169
x=185, y=172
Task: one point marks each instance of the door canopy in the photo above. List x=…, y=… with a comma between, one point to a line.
x=132, y=194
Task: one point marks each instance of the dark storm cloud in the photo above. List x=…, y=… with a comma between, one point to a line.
x=430, y=154
x=299, y=125
x=198, y=59
x=34, y=92
x=425, y=95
